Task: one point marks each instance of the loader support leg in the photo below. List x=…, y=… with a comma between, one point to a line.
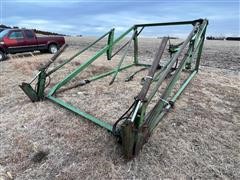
x=29, y=91
x=38, y=94
x=41, y=84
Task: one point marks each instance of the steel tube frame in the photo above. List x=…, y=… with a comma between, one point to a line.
x=81, y=113
x=138, y=124
x=135, y=129
x=158, y=111
x=79, y=53
x=169, y=23
x=81, y=68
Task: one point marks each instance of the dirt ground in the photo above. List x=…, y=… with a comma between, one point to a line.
x=199, y=139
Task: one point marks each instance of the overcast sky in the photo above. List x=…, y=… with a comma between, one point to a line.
x=95, y=17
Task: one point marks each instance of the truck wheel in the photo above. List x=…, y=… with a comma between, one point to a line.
x=2, y=56
x=52, y=48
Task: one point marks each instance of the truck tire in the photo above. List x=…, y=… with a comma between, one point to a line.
x=2, y=56
x=52, y=48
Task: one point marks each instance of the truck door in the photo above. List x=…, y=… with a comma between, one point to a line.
x=15, y=41
x=30, y=40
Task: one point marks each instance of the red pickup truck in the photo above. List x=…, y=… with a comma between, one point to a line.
x=25, y=40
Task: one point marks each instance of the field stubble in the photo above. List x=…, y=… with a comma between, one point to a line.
x=200, y=138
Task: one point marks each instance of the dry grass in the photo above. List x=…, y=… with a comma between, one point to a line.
x=199, y=139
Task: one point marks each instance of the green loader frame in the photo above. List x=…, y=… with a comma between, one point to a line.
x=135, y=126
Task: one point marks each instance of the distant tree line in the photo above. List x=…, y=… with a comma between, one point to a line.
x=215, y=38
x=233, y=38
x=2, y=26
x=223, y=38
x=170, y=37
x=47, y=33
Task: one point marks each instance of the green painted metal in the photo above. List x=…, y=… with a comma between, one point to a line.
x=78, y=70
x=169, y=66
x=200, y=50
x=169, y=23
x=165, y=95
x=81, y=51
x=110, y=44
x=184, y=86
x=81, y=113
x=163, y=105
x=36, y=94
x=190, y=55
x=29, y=91
x=158, y=74
x=109, y=73
x=128, y=138
x=123, y=35
x=137, y=125
x=157, y=121
x=141, y=64
x=41, y=84
x=158, y=112
x=121, y=61
x=87, y=63
x=135, y=39
x=142, y=114
x=174, y=79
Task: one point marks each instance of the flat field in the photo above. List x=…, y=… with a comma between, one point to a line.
x=198, y=139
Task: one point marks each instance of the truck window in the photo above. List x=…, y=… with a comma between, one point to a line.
x=29, y=34
x=16, y=35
